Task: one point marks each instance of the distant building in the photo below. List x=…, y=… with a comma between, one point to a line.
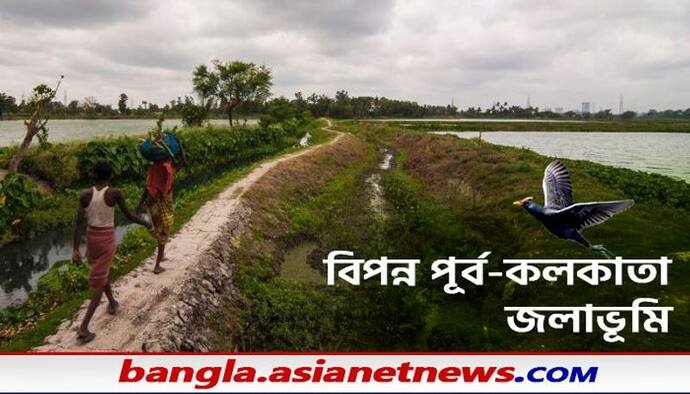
x=586, y=107
x=558, y=110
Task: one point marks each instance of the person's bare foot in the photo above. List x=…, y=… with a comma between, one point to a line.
x=113, y=307
x=85, y=337
x=158, y=270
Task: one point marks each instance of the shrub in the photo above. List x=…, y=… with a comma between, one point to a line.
x=121, y=152
x=192, y=114
x=55, y=164
x=266, y=120
x=17, y=198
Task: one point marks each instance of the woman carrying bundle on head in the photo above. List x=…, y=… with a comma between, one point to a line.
x=162, y=148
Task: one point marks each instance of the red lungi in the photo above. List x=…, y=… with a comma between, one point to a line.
x=100, y=249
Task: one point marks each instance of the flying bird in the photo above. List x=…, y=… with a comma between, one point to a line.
x=561, y=216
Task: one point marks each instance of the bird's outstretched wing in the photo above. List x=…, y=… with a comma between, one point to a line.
x=589, y=214
x=558, y=191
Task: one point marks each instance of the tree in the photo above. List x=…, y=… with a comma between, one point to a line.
x=41, y=97
x=341, y=107
x=299, y=103
x=73, y=107
x=7, y=104
x=280, y=109
x=192, y=114
x=233, y=83
x=89, y=105
x=122, y=103
x=627, y=115
x=319, y=105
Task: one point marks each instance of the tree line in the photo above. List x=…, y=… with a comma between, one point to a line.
x=243, y=89
x=340, y=106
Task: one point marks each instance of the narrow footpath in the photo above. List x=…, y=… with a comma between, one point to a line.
x=163, y=312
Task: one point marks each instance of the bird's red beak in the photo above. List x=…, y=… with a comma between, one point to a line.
x=522, y=202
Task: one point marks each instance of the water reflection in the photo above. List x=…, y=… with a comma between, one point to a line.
x=12, y=131
x=23, y=263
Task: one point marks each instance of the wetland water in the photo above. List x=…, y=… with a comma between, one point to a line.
x=660, y=153
x=12, y=131
x=23, y=263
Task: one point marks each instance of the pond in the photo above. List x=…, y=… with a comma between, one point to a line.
x=23, y=263
x=12, y=131
x=296, y=266
x=472, y=120
x=661, y=153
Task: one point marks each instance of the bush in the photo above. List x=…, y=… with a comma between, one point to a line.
x=17, y=198
x=192, y=114
x=55, y=164
x=121, y=152
x=266, y=120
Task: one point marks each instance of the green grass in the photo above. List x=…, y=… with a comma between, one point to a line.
x=449, y=196
x=464, y=191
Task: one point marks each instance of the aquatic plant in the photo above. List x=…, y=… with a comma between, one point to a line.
x=17, y=197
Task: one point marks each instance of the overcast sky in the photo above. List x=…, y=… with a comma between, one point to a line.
x=475, y=52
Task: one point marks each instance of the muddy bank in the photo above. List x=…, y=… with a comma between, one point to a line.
x=275, y=247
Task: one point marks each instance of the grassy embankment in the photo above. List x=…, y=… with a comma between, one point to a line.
x=61, y=291
x=66, y=168
x=446, y=196
x=649, y=126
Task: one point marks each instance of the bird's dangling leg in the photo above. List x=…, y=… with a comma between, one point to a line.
x=605, y=252
x=577, y=237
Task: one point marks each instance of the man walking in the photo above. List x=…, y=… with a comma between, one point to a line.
x=97, y=209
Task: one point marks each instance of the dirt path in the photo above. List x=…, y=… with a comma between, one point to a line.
x=143, y=296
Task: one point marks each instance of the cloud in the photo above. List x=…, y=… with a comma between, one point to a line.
x=70, y=13
x=474, y=52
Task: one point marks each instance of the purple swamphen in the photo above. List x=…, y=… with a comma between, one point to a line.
x=561, y=216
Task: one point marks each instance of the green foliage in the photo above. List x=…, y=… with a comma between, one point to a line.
x=192, y=114
x=280, y=109
x=41, y=94
x=122, y=153
x=122, y=103
x=289, y=315
x=210, y=145
x=232, y=83
x=283, y=111
x=56, y=164
x=7, y=104
x=641, y=186
x=637, y=125
x=265, y=121
x=17, y=198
